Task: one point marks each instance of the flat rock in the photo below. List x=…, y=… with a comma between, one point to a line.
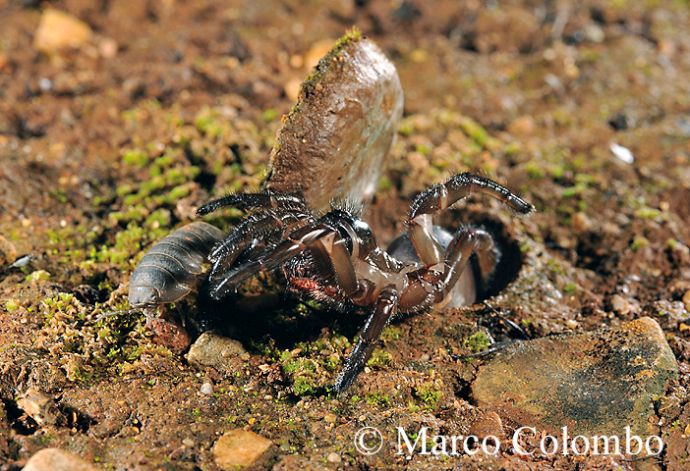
x=54, y=459
x=242, y=449
x=333, y=143
x=221, y=353
x=594, y=382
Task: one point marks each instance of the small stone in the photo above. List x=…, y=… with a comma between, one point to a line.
x=330, y=418
x=169, y=333
x=242, y=449
x=221, y=353
x=206, y=389
x=188, y=442
x=488, y=424
x=522, y=126
x=594, y=33
x=686, y=300
x=595, y=382
x=620, y=304
x=59, y=30
x=39, y=407
x=107, y=48
x=333, y=457
x=54, y=459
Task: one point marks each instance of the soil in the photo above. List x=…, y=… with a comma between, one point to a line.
x=107, y=146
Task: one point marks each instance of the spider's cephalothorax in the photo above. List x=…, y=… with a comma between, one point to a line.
x=335, y=257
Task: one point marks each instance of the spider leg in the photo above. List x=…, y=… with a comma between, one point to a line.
x=467, y=240
x=321, y=238
x=246, y=201
x=432, y=286
x=263, y=226
x=443, y=196
x=386, y=307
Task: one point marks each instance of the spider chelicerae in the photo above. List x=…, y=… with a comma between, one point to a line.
x=334, y=258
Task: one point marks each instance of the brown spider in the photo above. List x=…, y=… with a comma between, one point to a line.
x=335, y=259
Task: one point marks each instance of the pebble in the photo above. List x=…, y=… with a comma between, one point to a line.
x=188, y=442
x=330, y=418
x=54, y=459
x=686, y=300
x=595, y=382
x=206, y=389
x=39, y=406
x=223, y=354
x=622, y=153
x=620, y=304
x=333, y=457
x=240, y=449
x=59, y=30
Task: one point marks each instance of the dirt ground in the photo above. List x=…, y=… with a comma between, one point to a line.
x=108, y=145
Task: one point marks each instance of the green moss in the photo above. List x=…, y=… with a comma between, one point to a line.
x=303, y=386
x=38, y=275
x=385, y=184
x=477, y=342
x=423, y=149
x=429, y=394
x=377, y=398
x=639, y=243
x=474, y=131
x=135, y=157
x=648, y=213
x=302, y=372
x=534, y=170
x=391, y=333
x=209, y=123
x=12, y=305
x=406, y=127
x=269, y=115
x=351, y=36
x=570, y=287
x=380, y=359
x=127, y=244
x=512, y=148
x=575, y=190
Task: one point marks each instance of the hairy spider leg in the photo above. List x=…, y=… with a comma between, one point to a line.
x=386, y=308
x=264, y=226
x=443, y=196
x=246, y=201
x=319, y=237
x=429, y=286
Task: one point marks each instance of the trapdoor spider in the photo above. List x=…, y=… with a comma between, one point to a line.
x=335, y=259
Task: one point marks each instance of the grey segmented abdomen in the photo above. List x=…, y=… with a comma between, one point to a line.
x=173, y=266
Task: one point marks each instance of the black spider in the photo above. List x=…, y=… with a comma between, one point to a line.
x=334, y=258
